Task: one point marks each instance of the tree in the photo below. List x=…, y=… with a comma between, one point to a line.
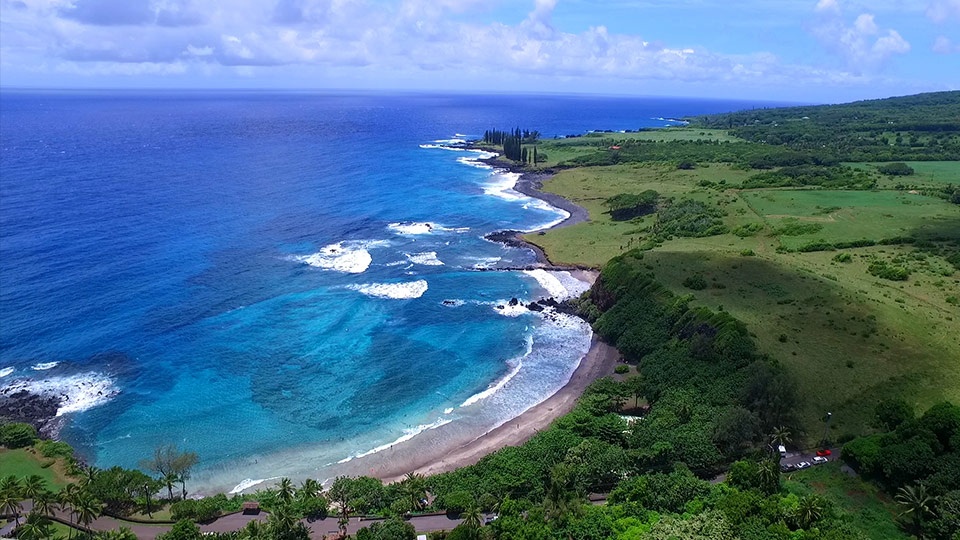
x=17, y=435
x=44, y=503
x=36, y=527
x=391, y=529
x=917, y=503
x=890, y=413
x=87, y=509
x=171, y=466
x=780, y=436
x=341, y=492
x=285, y=491
x=810, y=509
x=33, y=486
x=10, y=504
x=768, y=476
x=67, y=497
x=10, y=485
x=414, y=488
x=183, y=530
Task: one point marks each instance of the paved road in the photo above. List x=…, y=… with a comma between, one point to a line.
x=795, y=458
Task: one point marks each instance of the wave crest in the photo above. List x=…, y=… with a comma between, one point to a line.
x=395, y=291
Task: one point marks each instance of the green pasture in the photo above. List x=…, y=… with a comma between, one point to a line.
x=861, y=503
x=854, y=215
x=849, y=338
x=561, y=150
x=926, y=173
x=24, y=462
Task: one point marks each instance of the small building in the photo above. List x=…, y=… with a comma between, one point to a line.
x=251, y=507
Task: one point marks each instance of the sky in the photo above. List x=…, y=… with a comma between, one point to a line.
x=807, y=51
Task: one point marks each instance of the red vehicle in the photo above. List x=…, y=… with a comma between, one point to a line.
x=824, y=453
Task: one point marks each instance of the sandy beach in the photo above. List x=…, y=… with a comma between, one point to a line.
x=599, y=362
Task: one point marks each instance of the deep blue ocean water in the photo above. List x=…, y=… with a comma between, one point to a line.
x=261, y=278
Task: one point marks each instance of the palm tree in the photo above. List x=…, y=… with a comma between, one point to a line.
x=768, y=476
x=67, y=497
x=87, y=509
x=36, y=527
x=33, y=486
x=44, y=503
x=810, y=510
x=89, y=475
x=310, y=488
x=10, y=504
x=169, y=479
x=414, y=487
x=780, y=436
x=916, y=502
x=472, y=518
x=10, y=484
x=285, y=491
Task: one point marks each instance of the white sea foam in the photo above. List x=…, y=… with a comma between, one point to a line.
x=43, y=366
x=457, y=140
x=473, y=162
x=559, y=285
x=249, y=483
x=7, y=371
x=412, y=227
x=407, y=435
x=515, y=365
x=428, y=258
x=422, y=227
x=448, y=410
x=397, y=291
x=351, y=258
x=505, y=309
x=75, y=393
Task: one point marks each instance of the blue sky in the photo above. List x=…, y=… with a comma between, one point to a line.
x=783, y=50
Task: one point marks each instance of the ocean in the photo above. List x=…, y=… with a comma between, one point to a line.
x=286, y=284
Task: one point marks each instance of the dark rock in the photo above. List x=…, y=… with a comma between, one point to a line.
x=533, y=306
x=514, y=301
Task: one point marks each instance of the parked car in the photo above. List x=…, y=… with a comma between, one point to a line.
x=820, y=459
x=787, y=467
x=824, y=452
x=803, y=464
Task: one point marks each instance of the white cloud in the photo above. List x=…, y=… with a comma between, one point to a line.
x=409, y=37
x=943, y=45
x=862, y=44
x=940, y=11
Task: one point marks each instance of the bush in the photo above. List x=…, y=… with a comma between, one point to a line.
x=842, y=258
x=196, y=509
x=883, y=270
x=621, y=369
x=749, y=229
x=54, y=449
x=896, y=169
x=794, y=227
x=17, y=435
x=689, y=218
x=626, y=206
x=747, y=253
x=695, y=282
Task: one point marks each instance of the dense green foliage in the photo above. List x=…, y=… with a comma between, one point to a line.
x=17, y=435
x=918, y=461
x=627, y=206
x=911, y=128
x=811, y=175
x=688, y=217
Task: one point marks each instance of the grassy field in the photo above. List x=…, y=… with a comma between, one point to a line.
x=849, y=338
x=24, y=462
x=560, y=150
x=852, y=215
x=861, y=503
x=926, y=173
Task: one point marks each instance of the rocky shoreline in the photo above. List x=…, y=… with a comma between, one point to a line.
x=38, y=410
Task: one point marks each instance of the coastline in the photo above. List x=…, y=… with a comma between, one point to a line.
x=598, y=362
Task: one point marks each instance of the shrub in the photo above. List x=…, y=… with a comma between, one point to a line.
x=896, y=169
x=794, y=227
x=883, y=270
x=626, y=206
x=621, y=369
x=17, y=435
x=695, y=282
x=749, y=229
x=843, y=258
x=747, y=253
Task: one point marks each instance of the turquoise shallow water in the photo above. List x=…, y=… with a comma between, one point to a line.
x=261, y=278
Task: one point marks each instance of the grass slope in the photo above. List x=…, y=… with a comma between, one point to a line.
x=849, y=337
